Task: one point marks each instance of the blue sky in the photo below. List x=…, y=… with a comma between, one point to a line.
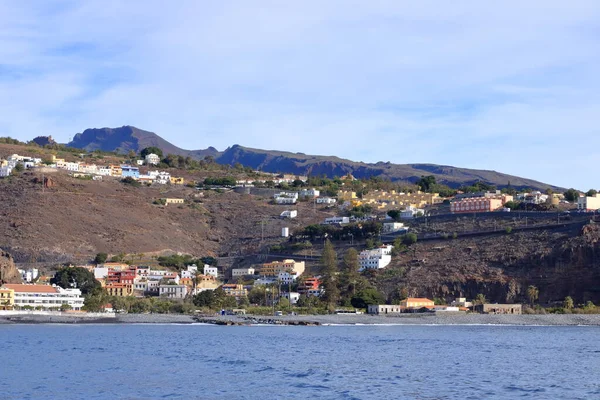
x=512, y=86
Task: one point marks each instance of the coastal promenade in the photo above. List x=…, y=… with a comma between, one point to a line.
x=345, y=319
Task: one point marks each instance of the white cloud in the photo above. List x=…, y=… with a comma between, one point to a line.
x=505, y=86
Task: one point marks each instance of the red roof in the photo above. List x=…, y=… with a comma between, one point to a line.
x=20, y=288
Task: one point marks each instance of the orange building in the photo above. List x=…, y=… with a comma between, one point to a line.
x=274, y=268
x=119, y=289
x=477, y=204
x=416, y=302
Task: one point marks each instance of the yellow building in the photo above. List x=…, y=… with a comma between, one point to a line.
x=234, y=290
x=176, y=180
x=119, y=289
x=416, y=302
x=383, y=199
x=172, y=201
x=115, y=170
x=7, y=299
x=346, y=195
x=273, y=269
x=206, y=282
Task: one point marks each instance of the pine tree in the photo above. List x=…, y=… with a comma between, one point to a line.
x=350, y=276
x=329, y=273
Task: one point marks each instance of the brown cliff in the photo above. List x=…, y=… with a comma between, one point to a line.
x=8, y=271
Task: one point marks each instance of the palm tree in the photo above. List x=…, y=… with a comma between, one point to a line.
x=480, y=299
x=533, y=294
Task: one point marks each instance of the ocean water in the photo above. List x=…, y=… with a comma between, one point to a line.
x=283, y=362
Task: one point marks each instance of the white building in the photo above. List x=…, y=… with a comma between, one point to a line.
x=461, y=302
x=190, y=272
x=139, y=162
x=101, y=272
x=326, y=200
x=310, y=193
x=285, y=200
x=383, y=309
x=390, y=227
x=152, y=159
x=289, y=214
x=5, y=171
x=411, y=212
x=293, y=297
x=588, y=203
x=376, y=258
x=336, y=220
x=29, y=275
x=241, y=272
x=104, y=170
x=45, y=296
x=72, y=166
x=212, y=271
x=264, y=281
x=172, y=291
x=162, y=178
x=287, y=278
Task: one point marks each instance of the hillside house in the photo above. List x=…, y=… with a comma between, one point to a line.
x=289, y=214
x=242, y=272
x=326, y=200
x=273, y=269
x=588, y=203
x=234, y=290
x=119, y=289
x=376, y=258
x=391, y=227
x=212, y=271
x=162, y=178
x=336, y=220
x=310, y=193
x=115, y=170
x=474, y=205
x=174, y=180
x=152, y=159
x=5, y=171
x=172, y=291
x=128, y=171
x=168, y=201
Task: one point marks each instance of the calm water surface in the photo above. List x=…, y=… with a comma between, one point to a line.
x=336, y=362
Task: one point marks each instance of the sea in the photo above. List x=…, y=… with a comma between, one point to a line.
x=106, y=361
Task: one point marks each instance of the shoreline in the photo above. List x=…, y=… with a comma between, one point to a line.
x=316, y=320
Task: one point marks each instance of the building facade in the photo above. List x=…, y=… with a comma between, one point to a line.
x=588, y=203
x=45, y=296
x=273, y=269
x=474, y=205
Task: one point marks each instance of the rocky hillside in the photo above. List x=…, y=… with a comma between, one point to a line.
x=72, y=219
x=299, y=163
x=129, y=138
x=8, y=271
x=559, y=262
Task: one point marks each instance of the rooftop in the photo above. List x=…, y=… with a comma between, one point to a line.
x=21, y=288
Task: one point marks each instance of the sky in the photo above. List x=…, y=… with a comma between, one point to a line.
x=511, y=86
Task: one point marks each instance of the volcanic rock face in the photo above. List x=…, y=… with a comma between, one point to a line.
x=8, y=271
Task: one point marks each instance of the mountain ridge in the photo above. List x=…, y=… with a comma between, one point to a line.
x=129, y=138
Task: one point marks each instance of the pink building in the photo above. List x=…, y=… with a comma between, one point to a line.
x=477, y=204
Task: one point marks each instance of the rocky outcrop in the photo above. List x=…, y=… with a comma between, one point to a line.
x=8, y=270
x=501, y=267
x=44, y=141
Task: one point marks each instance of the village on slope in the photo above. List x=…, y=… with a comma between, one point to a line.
x=186, y=286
